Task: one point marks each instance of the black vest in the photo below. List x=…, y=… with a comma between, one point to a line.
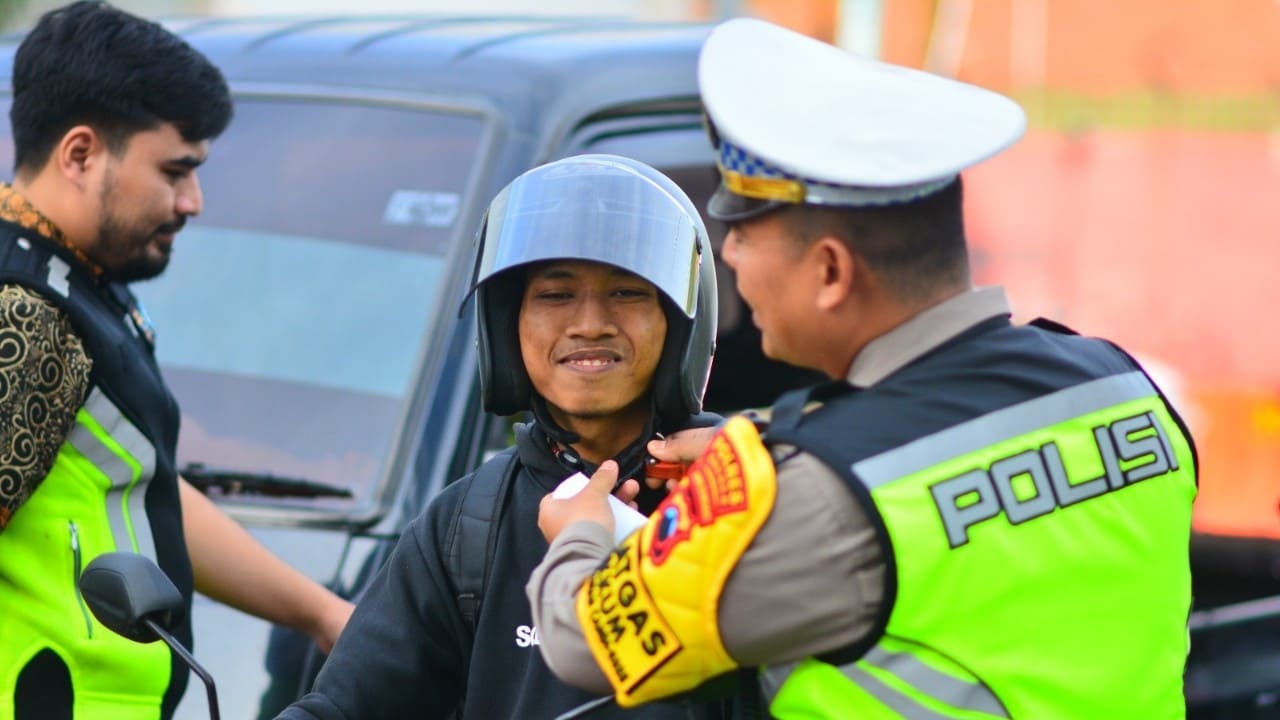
x=117, y=339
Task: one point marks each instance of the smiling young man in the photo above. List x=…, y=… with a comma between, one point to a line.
x=595, y=308
x=111, y=116
x=595, y=384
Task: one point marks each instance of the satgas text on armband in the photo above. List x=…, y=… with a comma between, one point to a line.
x=618, y=562
x=630, y=629
x=993, y=486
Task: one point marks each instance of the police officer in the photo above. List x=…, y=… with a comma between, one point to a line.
x=595, y=308
x=971, y=519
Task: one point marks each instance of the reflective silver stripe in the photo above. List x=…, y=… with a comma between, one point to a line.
x=59, y=276
x=1010, y=422
x=924, y=679
x=927, y=681
x=772, y=679
x=126, y=500
x=896, y=701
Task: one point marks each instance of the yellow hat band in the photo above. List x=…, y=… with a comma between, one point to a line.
x=786, y=190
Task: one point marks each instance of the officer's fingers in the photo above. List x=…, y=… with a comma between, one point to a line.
x=545, y=514
x=655, y=482
x=683, y=446
x=627, y=492
x=658, y=483
x=556, y=514
x=589, y=503
x=604, y=479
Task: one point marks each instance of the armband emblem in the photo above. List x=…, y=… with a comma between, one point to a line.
x=714, y=488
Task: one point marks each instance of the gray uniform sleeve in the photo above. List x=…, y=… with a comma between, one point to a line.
x=811, y=582
x=553, y=589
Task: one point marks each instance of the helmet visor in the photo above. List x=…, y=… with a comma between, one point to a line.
x=599, y=211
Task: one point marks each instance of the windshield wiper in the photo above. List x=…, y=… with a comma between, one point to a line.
x=240, y=482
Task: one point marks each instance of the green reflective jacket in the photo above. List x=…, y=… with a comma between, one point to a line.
x=112, y=487
x=1037, y=552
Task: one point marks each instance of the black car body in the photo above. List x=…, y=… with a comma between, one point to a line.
x=309, y=322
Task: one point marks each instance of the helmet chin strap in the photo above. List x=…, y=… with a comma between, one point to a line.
x=631, y=459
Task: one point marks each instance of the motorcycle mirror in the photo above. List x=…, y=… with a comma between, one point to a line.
x=124, y=590
x=135, y=599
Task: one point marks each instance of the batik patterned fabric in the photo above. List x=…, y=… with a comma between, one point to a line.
x=44, y=372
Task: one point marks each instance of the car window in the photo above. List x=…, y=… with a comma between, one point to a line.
x=292, y=318
x=293, y=314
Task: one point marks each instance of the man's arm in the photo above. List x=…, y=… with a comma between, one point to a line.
x=810, y=582
x=44, y=375
x=232, y=567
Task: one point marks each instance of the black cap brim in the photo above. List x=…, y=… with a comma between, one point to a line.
x=727, y=206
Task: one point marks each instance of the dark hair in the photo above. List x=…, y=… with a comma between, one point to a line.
x=913, y=247
x=90, y=63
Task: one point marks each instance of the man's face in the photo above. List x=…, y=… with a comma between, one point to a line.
x=769, y=270
x=146, y=194
x=591, y=336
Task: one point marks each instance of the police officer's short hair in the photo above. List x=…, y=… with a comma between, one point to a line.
x=912, y=247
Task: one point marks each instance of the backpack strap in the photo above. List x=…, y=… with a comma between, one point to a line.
x=475, y=531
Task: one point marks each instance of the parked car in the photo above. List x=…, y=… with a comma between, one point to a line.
x=309, y=320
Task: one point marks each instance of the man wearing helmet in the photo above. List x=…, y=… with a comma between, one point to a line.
x=595, y=307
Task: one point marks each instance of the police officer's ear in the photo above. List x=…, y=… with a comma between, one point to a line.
x=836, y=270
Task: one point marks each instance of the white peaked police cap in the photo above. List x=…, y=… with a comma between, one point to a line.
x=796, y=120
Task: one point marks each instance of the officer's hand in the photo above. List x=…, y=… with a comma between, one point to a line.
x=627, y=493
x=681, y=447
x=591, y=503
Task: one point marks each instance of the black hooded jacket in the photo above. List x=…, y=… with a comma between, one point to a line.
x=404, y=653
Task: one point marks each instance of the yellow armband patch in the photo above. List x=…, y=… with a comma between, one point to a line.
x=650, y=614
